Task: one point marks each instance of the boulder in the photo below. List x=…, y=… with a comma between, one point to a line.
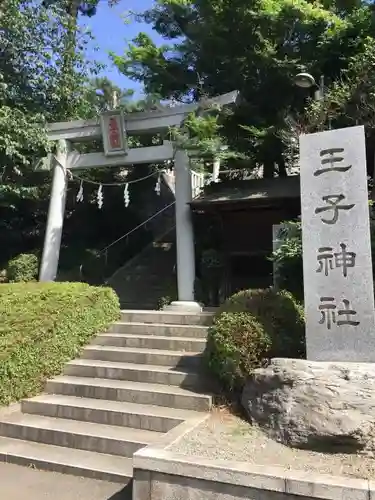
x=321, y=406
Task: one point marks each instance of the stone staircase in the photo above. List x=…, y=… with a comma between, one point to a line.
x=129, y=386
x=142, y=281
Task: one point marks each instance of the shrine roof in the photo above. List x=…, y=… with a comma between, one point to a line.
x=255, y=191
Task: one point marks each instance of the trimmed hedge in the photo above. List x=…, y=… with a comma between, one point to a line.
x=251, y=327
x=237, y=343
x=45, y=325
x=280, y=314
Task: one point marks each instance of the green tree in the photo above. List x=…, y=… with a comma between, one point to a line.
x=254, y=46
x=102, y=94
x=32, y=45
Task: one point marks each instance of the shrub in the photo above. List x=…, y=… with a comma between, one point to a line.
x=280, y=315
x=24, y=267
x=163, y=302
x=44, y=325
x=237, y=343
x=3, y=276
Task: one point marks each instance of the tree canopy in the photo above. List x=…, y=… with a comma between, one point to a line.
x=34, y=89
x=254, y=46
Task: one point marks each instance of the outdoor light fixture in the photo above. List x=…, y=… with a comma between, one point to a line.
x=305, y=80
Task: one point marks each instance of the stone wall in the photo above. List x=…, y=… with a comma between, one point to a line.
x=149, y=485
x=160, y=474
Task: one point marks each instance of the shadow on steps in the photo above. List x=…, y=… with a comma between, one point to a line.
x=202, y=380
x=124, y=494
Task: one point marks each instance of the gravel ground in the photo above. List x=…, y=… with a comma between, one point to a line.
x=227, y=437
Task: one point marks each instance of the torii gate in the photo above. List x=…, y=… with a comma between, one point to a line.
x=117, y=154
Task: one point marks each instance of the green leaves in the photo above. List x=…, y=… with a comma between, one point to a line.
x=351, y=99
x=43, y=78
x=43, y=326
x=254, y=46
x=237, y=344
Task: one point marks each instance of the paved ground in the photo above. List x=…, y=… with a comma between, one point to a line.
x=23, y=483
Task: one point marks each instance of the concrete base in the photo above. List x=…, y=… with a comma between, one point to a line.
x=161, y=473
x=184, y=306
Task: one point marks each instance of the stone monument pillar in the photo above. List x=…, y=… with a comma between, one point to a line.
x=337, y=266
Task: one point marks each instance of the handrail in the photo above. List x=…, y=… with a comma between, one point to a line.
x=197, y=185
x=104, y=250
x=147, y=247
x=135, y=228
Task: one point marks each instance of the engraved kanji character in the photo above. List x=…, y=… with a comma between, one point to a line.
x=333, y=201
x=329, y=313
x=331, y=160
x=328, y=260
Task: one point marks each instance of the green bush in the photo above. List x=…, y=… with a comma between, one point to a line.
x=280, y=315
x=24, y=267
x=237, y=343
x=163, y=302
x=43, y=325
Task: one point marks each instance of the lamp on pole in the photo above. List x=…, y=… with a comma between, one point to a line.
x=307, y=81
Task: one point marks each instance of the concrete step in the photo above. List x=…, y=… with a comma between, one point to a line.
x=167, y=317
x=88, y=436
x=133, y=305
x=148, y=267
x=132, y=372
x=140, y=278
x=133, y=392
x=142, y=291
x=196, y=331
x=150, y=342
x=124, y=414
x=143, y=356
x=66, y=460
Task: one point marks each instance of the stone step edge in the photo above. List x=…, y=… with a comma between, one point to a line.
x=158, y=325
x=66, y=460
x=120, y=365
x=81, y=428
x=113, y=406
x=168, y=313
x=149, y=337
x=144, y=350
x=124, y=384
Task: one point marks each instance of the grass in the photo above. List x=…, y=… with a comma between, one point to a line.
x=42, y=326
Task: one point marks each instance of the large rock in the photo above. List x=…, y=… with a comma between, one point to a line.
x=325, y=406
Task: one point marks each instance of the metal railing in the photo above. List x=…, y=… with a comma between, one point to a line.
x=101, y=269
x=101, y=258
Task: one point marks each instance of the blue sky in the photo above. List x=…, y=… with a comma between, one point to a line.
x=112, y=33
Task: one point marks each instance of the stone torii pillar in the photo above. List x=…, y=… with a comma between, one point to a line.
x=184, y=236
x=56, y=211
